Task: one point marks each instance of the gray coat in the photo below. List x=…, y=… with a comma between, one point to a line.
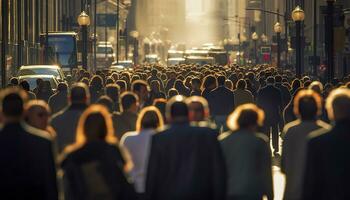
x=248, y=164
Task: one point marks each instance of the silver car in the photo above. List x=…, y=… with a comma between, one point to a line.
x=52, y=70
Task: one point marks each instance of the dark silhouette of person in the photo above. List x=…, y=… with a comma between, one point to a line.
x=65, y=122
x=196, y=87
x=44, y=91
x=181, y=88
x=113, y=92
x=269, y=98
x=59, y=100
x=94, y=164
x=247, y=154
x=307, y=106
x=125, y=121
x=96, y=88
x=327, y=172
x=26, y=156
x=141, y=89
x=191, y=167
x=219, y=97
x=26, y=87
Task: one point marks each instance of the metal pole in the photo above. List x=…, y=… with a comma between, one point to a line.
x=46, y=53
x=84, y=52
x=298, y=49
x=315, y=40
x=4, y=36
x=255, y=52
x=118, y=4
x=329, y=41
x=19, y=33
x=95, y=32
x=286, y=32
x=106, y=33
x=279, y=50
x=126, y=34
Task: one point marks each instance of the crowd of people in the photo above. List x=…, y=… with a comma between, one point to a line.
x=184, y=132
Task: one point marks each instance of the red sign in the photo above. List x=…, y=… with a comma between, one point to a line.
x=266, y=57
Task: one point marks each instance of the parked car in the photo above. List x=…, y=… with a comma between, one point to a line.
x=31, y=79
x=39, y=70
x=125, y=63
x=175, y=61
x=104, y=56
x=152, y=59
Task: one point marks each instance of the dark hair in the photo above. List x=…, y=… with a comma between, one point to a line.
x=96, y=82
x=62, y=87
x=209, y=81
x=107, y=102
x=138, y=84
x=221, y=80
x=245, y=116
x=176, y=109
x=160, y=103
x=149, y=118
x=12, y=102
x=196, y=81
x=172, y=92
x=307, y=104
x=122, y=84
x=14, y=81
x=270, y=80
x=278, y=79
x=113, y=91
x=127, y=100
x=24, y=85
x=79, y=93
x=241, y=84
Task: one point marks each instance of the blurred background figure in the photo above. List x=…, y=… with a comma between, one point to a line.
x=138, y=144
x=59, y=100
x=247, y=154
x=93, y=164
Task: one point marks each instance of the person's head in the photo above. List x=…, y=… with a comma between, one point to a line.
x=95, y=124
x=129, y=102
x=149, y=118
x=160, y=103
x=14, y=81
x=39, y=82
x=154, y=72
x=96, y=83
x=296, y=84
x=241, y=84
x=122, y=85
x=177, y=110
x=112, y=91
x=107, y=102
x=278, y=79
x=195, y=84
x=37, y=114
x=270, y=80
x=13, y=101
x=155, y=86
x=209, y=82
x=316, y=86
x=221, y=80
x=172, y=92
x=338, y=105
x=79, y=94
x=140, y=88
x=307, y=105
x=62, y=87
x=198, y=108
x=246, y=116
x=24, y=85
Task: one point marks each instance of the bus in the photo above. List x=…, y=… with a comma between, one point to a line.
x=62, y=49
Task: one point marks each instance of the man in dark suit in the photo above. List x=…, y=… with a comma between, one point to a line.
x=65, y=122
x=221, y=102
x=27, y=163
x=327, y=174
x=59, y=100
x=185, y=162
x=270, y=100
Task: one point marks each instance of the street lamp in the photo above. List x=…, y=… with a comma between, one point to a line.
x=255, y=38
x=278, y=30
x=329, y=43
x=135, y=35
x=298, y=16
x=84, y=22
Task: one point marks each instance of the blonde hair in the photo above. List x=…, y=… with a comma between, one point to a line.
x=37, y=103
x=338, y=104
x=150, y=117
x=82, y=134
x=245, y=115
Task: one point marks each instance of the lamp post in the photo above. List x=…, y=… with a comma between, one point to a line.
x=298, y=16
x=278, y=30
x=135, y=35
x=329, y=43
x=84, y=22
x=255, y=38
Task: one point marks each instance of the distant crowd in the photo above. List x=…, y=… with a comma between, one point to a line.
x=185, y=132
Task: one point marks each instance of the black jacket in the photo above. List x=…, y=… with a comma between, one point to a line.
x=94, y=171
x=186, y=163
x=27, y=167
x=221, y=101
x=327, y=174
x=270, y=100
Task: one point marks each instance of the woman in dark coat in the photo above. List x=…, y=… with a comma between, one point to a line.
x=93, y=166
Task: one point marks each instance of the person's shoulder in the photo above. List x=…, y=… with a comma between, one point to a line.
x=323, y=125
x=36, y=133
x=128, y=136
x=319, y=135
x=288, y=127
